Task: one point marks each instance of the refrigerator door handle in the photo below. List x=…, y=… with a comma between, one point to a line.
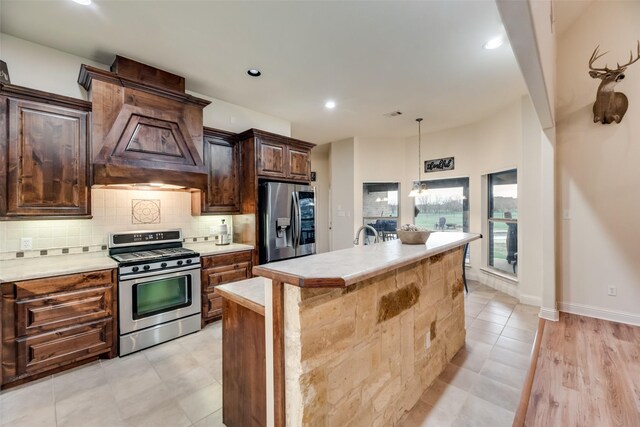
x=298, y=219
x=295, y=232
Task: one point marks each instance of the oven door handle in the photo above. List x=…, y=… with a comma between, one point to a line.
x=134, y=279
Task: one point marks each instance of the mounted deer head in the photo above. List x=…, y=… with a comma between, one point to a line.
x=610, y=106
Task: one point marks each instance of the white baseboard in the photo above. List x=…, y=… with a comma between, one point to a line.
x=498, y=283
x=471, y=275
x=600, y=313
x=508, y=286
x=549, y=314
x=530, y=300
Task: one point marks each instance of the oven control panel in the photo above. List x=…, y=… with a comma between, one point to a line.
x=159, y=266
x=149, y=236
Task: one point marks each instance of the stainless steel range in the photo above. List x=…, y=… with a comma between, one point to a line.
x=158, y=287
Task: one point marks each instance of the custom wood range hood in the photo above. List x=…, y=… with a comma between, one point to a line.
x=145, y=128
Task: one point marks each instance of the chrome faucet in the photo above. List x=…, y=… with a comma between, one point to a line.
x=376, y=239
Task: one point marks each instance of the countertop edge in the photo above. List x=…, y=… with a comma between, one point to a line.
x=101, y=264
x=367, y=274
x=234, y=292
x=348, y=280
x=220, y=249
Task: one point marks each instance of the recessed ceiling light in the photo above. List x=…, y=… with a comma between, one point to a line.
x=494, y=43
x=330, y=105
x=253, y=72
x=83, y=2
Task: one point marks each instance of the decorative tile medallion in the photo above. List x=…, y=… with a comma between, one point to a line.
x=145, y=211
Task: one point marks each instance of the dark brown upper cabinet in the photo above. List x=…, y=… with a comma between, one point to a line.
x=271, y=158
x=277, y=156
x=299, y=163
x=145, y=128
x=44, y=167
x=222, y=159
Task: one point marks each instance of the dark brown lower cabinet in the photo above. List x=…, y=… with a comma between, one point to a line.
x=53, y=323
x=218, y=270
x=39, y=353
x=244, y=378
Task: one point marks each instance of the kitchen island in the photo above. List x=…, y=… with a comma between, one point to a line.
x=354, y=337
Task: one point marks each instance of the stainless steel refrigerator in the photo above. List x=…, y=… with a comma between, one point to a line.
x=287, y=221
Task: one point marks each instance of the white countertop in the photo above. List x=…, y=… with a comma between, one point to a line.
x=57, y=265
x=54, y=265
x=348, y=266
x=210, y=248
x=248, y=293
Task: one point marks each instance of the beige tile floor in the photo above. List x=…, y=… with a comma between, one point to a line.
x=178, y=384
x=175, y=384
x=481, y=386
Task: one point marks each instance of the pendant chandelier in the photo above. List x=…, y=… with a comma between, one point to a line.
x=418, y=188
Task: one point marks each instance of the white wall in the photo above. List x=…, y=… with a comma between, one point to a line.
x=234, y=118
x=530, y=223
x=489, y=145
x=541, y=13
x=342, y=193
x=493, y=144
x=40, y=67
x=598, y=170
x=112, y=212
x=529, y=26
x=381, y=160
x=320, y=165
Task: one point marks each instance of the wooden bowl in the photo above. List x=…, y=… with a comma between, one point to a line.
x=413, y=237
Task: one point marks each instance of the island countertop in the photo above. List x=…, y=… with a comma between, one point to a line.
x=345, y=267
x=249, y=293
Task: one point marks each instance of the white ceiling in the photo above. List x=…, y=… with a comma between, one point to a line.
x=424, y=58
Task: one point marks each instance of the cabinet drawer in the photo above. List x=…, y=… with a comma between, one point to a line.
x=219, y=275
x=226, y=259
x=214, y=305
x=53, y=349
x=72, y=282
x=63, y=309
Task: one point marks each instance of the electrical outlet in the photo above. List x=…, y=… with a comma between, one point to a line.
x=213, y=230
x=26, y=244
x=612, y=291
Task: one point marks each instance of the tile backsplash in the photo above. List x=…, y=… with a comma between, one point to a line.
x=112, y=212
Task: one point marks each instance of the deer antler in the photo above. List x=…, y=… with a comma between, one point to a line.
x=631, y=60
x=594, y=58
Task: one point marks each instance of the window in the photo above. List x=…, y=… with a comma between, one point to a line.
x=503, y=222
x=380, y=208
x=444, y=207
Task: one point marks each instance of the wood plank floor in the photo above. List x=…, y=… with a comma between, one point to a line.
x=588, y=374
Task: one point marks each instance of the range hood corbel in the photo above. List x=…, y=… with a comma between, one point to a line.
x=145, y=128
